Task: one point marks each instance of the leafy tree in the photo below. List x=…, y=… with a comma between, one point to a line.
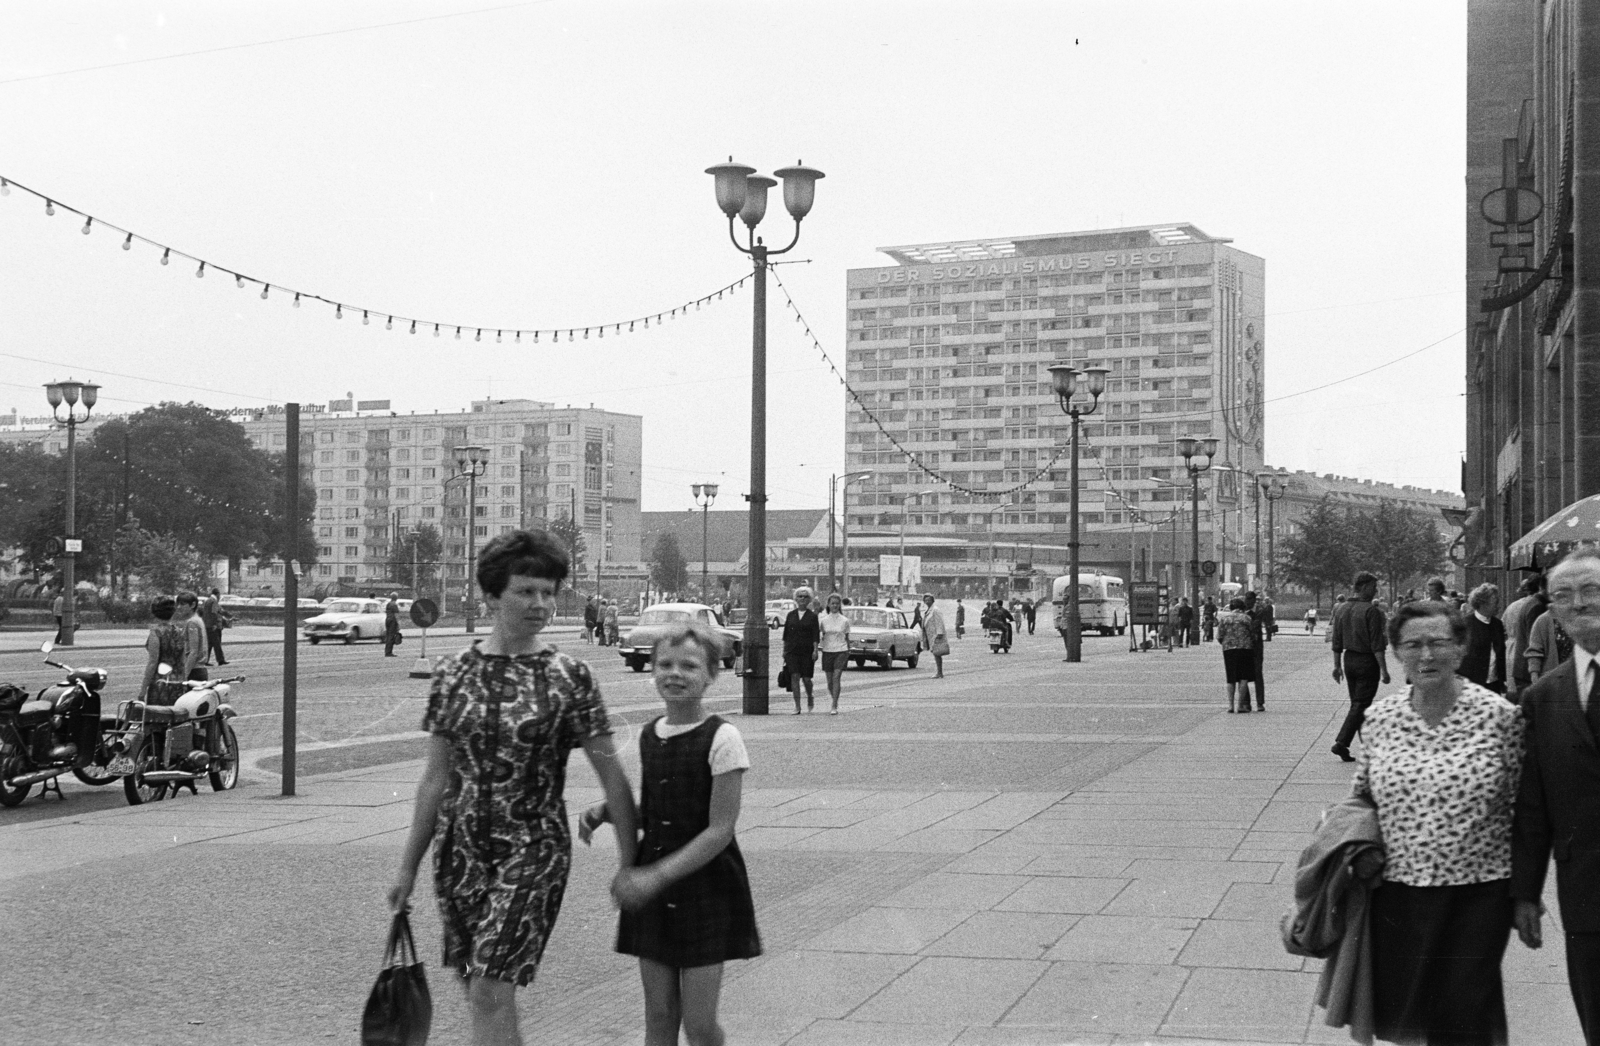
x=162, y=562
x=414, y=558
x=668, y=568
x=1319, y=554
x=570, y=535
x=33, y=509
x=1397, y=543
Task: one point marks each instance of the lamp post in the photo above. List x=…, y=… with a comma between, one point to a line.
x=1193, y=449
x=997, y=508
x=742, y=194
x=471, y=462
x=707, y=492
x=900, y=564
x=71, y=393
x=1274, y=488
x=844, y=528
x=1064, y=381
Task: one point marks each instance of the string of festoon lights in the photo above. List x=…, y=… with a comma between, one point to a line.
x=910, y=455
x=198, y=497
x=1138, y=514
x=342, y=308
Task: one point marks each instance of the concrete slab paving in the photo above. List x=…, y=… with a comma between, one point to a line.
x=1172, y=897
x=1253, y=944
x=1062, y=895
x=1098, y=998
x=903, y=931
x=814, y=984
x=1002, y=935
x=953, y=991
x=1124, y=939
x=1256, y=1006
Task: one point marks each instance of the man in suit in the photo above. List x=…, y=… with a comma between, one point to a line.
x=1558, y=803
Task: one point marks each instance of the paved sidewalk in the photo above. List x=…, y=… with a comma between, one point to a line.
x=1026, y=854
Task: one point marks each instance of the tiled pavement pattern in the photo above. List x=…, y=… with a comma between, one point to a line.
x=1026, y=853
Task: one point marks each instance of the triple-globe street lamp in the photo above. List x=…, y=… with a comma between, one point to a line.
x=1274, y=488
x=70, y=393
x=704, y=495
x=1064, y=381
x=844, y=482
x=742, y=193
x=472, y=461
x=1197, y=455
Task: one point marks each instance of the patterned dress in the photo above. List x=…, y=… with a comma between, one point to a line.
x=502, y=848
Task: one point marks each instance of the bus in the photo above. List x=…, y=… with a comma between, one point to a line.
x=1102, y=602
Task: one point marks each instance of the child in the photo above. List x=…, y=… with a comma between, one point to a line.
x=686, y=906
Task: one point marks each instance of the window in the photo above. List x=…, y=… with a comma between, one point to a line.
x=352, y=475
x=508, y=451
x=352, y=437
x=402, y=493
x=402, y=434
x=352, y=551
x=324, y=569
x=352, y=513
x=427, y=512
x=352, y=455
x=402, y=473
x=563, y=428
x=402, y=454
x=325, y=512
x=325, y=494
x=508, y=491
x=327, y=457
x=352, y=493
x=508, y=512
x=327, y=437
x=324, y=551
x=430, y=453
x=325, y=532
x=508, y=471
x=481, y=532
x=430, y=473
x=508, y=431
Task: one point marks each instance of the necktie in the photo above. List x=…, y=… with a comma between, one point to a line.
x=1593, y=709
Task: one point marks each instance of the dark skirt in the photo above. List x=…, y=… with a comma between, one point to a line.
x=799, y=663
x=702, y=920
x=1436, y=954
x=1240, y=665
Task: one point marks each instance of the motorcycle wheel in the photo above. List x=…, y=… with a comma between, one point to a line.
x=228, y=776
x=94, y=775
x=12, y=796
x=134, y=785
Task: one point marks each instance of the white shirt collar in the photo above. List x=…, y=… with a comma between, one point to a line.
x=1479, y=615
x=1581, y=660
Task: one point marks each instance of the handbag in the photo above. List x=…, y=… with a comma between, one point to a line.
x=399, y=1010
x=783, y=678
x=941, y=646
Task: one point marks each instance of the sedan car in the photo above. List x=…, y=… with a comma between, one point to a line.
x=778, y=611
x=884, y=635
x=346, y=619
x=636, y=644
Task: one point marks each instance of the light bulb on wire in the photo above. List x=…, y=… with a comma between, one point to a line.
x=87, y=222
x=127, y=244
x=49, y=207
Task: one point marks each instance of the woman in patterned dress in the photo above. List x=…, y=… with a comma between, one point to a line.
x=1441, y=764
x=163, y=645
x=504, y=717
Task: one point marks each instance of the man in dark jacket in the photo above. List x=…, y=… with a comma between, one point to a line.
x=1558, y=804
x=801, y=634
x=1185, y=620
x=1260, y=618
x=1360, y=661
x=591, y=618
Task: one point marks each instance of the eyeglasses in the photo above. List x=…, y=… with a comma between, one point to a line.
x=1567, y=597
x=1433, y=646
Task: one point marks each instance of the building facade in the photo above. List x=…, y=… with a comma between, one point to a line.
x=949, y=350
x=1533, y=273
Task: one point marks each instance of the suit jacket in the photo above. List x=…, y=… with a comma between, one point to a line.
x=1558, y=802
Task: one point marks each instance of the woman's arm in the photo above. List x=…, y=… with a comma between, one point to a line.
x=619, y=808
x=636, y=886
x=152, y=647
x=424, y=815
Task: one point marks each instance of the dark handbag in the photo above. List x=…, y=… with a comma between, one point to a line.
x=783, y=678
x=399, y=1010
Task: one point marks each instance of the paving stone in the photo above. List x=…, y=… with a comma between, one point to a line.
x=813, y=984
x=817, y=816
x=1070, y=863
x=1245, y=945
x=888, y=930
x=957, y=891
x=768, y=838
x=1003, y=935
x=868, y=1033
x=960, y=991
x=1124, y=939
x=1099, y=999
x=1261, y=1006
x=1062, y=894
x=1005, y=1036
x=1542, y=1012
x=983, y=861
x=1222, y=871
x=1255, y=901
x=1196, y=898
x=940, y=840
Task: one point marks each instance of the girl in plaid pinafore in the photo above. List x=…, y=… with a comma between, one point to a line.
x=686, y=905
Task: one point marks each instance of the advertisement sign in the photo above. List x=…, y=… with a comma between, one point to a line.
x=1144, y=602
x=890, y=572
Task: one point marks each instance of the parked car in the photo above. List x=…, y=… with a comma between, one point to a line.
x=303, y=603
x=636, y=643
x=233, y=599
x=778, y=611
x=346, y=619
x=884, y=635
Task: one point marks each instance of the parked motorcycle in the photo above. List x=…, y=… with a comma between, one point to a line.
x=159, y=748
x=59, y=730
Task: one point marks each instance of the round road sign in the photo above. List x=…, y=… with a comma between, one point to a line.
x=1208, y=567
x=424, y=612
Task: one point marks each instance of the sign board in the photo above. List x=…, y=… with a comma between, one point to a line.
x=424, y=612
x=72, y=545
x=1144, y=602
x=1511, y=206
x=372, y=405
x=1208, y=567
x=890, y=571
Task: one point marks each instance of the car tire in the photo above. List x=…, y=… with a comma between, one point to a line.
x=313, y=640
x=352, y=635
x=636, y=663
x=860, y=662
x=887, y=660
x=911, y=662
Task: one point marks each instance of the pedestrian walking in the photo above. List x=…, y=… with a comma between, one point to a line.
x=1029, y=611
x=834, y=628
x=1185, y=617
x=1518, y=620
x=391, y=624
x=591, y=619
x=916, y=614
x=1558, y=803
x=1208, y=618
x=1359, y=638
x=1440, y=761
x=933, y=635
x=686, y=904
x=1238, y=657
x=1269, y=618
x=961, y=619
x=1311, y=621
x=801, y=633
x=502, y=848
x=608, y=621
x=58, y=608
x=1484, y=659
x=1259, y=618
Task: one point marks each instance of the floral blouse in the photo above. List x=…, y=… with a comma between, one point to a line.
x=1233, y=630
x=1444, y=793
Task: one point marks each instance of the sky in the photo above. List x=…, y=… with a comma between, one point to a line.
x=541, y=165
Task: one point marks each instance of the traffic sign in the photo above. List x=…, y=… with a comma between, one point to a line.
x=1208, y=567
x=1511, y=206
x=424, y=612
x=1511, y=238
x=72, y=544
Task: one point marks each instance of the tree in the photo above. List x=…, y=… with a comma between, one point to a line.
x=570, y=535
x=414, y=558
x=163, y=562
x=1396, y=543
x=668, y=568
x=1319, y=554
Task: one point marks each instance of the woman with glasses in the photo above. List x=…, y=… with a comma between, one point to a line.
x=1441, y=764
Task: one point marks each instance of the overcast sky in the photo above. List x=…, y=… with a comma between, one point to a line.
x=540, y=165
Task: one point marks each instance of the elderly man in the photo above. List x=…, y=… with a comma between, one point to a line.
x=1558, y=804
x=801, y=634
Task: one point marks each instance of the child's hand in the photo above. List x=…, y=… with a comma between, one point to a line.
x=591, y=818
x=633, y=888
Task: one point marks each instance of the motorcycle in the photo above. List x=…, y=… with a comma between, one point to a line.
x=159, y=748
x=997, y=640
x=59, y=730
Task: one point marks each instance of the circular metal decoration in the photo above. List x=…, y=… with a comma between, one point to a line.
x=424, y=612
x=1511, y=206
x=1208, y=567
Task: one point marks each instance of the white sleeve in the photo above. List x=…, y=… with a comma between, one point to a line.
x=728, y=751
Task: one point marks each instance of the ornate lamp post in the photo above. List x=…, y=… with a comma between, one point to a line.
x=471, y=462
x=71, y=393
x=900, y=564
x=742, y=194
x=1274, y=488
x=1064, y=380
x=992, y=511
x=1193, y=449
x=704, y=495
x=844, y=528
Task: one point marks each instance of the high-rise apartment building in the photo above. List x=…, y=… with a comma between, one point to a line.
x=949, y=350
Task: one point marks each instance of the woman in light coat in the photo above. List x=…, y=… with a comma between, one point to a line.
x=933, y=635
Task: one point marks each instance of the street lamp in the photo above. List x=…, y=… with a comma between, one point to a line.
x=900, y=564
x=992, y=512
x=1193, y=449
x=709, y=492
x=742, y=193
x=1274, y=488
x=1064, y=381
x=471, y=462
x=844, y=482
x=71, y=393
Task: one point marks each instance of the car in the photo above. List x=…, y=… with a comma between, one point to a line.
x=636, y=644
x=778, y=611
x=278, y=603
x=304, y=603
x=233, y=599
x=884, y=635
x=347, y=619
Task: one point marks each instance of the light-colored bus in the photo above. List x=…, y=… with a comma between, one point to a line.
x=1102, y=602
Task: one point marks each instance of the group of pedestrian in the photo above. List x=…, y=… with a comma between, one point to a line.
x=996, y=618
x=1241, y=629
x=600, y=621
x=502, y=844
x=178, y=640
x=809, y=637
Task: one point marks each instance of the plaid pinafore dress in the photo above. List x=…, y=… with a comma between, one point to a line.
x=709, y=916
